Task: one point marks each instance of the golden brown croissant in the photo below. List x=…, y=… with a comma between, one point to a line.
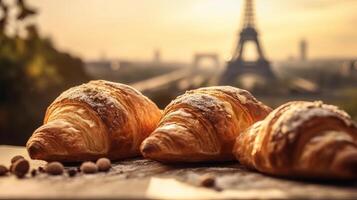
x=202, y=125
x=301, y=139
x=96, y=119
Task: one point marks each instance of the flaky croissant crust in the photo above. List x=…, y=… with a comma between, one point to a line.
x=201, y=125
x=301, y=139
x=100, y=118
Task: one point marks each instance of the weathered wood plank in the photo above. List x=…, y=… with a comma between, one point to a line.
x=140, y=178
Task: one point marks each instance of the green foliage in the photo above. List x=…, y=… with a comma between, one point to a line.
x=32, y=73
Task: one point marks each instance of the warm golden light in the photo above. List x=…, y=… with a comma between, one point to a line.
x=131, y=29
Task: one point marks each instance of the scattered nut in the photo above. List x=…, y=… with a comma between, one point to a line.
x=71, y=172
x=3, y=170
x=33, y=172
x=20, y=167
x=89, y=168
x=103, y=164
x=207, y=181
x=15, y=158
x=54, y=168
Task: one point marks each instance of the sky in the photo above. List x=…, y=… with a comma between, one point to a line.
x=134, y=29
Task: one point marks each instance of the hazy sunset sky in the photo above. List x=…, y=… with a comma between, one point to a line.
x=132, y=29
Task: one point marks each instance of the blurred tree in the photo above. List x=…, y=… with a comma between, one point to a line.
x=32, y=73
x=25, y=11
x=4, y=18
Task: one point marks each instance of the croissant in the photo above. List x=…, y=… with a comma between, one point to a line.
x=96, y=119
x=301, y=139
x=202, y=124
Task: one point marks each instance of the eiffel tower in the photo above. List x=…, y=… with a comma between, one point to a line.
x=237, y=66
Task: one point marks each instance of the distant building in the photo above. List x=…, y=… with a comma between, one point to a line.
x=157, y=56
x=349, y=69
x=303, y=50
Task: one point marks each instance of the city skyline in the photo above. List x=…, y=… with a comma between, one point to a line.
x=128, y=30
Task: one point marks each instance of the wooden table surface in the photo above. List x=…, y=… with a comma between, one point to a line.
x=140, y=178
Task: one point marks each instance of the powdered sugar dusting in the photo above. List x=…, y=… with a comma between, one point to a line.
x=101, y=98
x=242, y=95
x=90, y=94
x=204, y=102
x=298, y=114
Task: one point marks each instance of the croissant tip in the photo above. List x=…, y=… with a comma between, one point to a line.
x=148, y=148
x=349, y=163
x=35, y=150
x=346, y=162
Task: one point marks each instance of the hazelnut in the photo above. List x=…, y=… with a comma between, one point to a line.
x=54, y=168
x=20, y=167
x=71, y=172
x=3, y=170
x=89, y=168
x=15, y=158
x=207, y=181
x=103, y=164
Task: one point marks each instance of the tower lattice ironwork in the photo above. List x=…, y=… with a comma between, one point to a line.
x=237, y=66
